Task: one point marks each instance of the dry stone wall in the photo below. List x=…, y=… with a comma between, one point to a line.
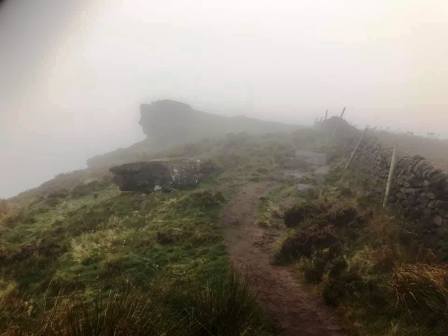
x=419, y=190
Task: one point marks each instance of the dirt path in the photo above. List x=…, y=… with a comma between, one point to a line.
x=296, y=312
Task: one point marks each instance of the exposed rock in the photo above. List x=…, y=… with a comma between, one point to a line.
x=432, y=204
x=303, y=187
x=311, y=158
x=438, y=221
x=431, y=195
x=160, y=175
x=173, y=122
x=142, y=176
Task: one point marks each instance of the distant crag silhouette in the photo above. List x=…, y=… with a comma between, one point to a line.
x=169, y=123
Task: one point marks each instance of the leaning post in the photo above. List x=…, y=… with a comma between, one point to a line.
x=355, y=150
x=390, y=177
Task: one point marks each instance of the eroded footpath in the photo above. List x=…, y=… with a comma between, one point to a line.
x=294, y=310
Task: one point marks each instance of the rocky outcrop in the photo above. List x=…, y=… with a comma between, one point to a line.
x=142, y=176
x=169, y=123
x=160, y=175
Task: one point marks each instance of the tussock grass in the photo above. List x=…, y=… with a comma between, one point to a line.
x=223, y=307
x=422, y=290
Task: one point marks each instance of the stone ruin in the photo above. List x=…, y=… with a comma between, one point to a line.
x=152, y=176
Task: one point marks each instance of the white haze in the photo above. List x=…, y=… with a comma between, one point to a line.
x=73, y=72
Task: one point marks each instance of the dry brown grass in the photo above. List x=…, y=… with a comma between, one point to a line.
x=422, y=290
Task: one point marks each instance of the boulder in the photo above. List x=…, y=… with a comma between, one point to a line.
x=142, y=176
x=152, y=176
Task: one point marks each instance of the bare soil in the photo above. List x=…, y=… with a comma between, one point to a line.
x=294, y=310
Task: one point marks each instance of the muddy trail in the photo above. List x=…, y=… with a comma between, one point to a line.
x=295, y=311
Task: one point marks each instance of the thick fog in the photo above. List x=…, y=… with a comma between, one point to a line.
x=74, y=72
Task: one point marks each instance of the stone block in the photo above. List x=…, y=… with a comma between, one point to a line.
x=438, y=220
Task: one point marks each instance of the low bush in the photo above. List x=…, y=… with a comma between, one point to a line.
x=299, y=213
x=313, y=270
x=342, y=215
x=305, y=242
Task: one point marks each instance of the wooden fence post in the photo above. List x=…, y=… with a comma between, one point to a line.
x=390, y=177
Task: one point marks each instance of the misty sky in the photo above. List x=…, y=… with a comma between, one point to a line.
x=73, y=72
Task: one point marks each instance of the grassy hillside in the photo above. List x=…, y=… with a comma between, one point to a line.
x=78, y=257
x=64, y=251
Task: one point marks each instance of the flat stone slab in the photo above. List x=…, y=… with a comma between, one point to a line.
x=303, y=187
x=312, y=158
